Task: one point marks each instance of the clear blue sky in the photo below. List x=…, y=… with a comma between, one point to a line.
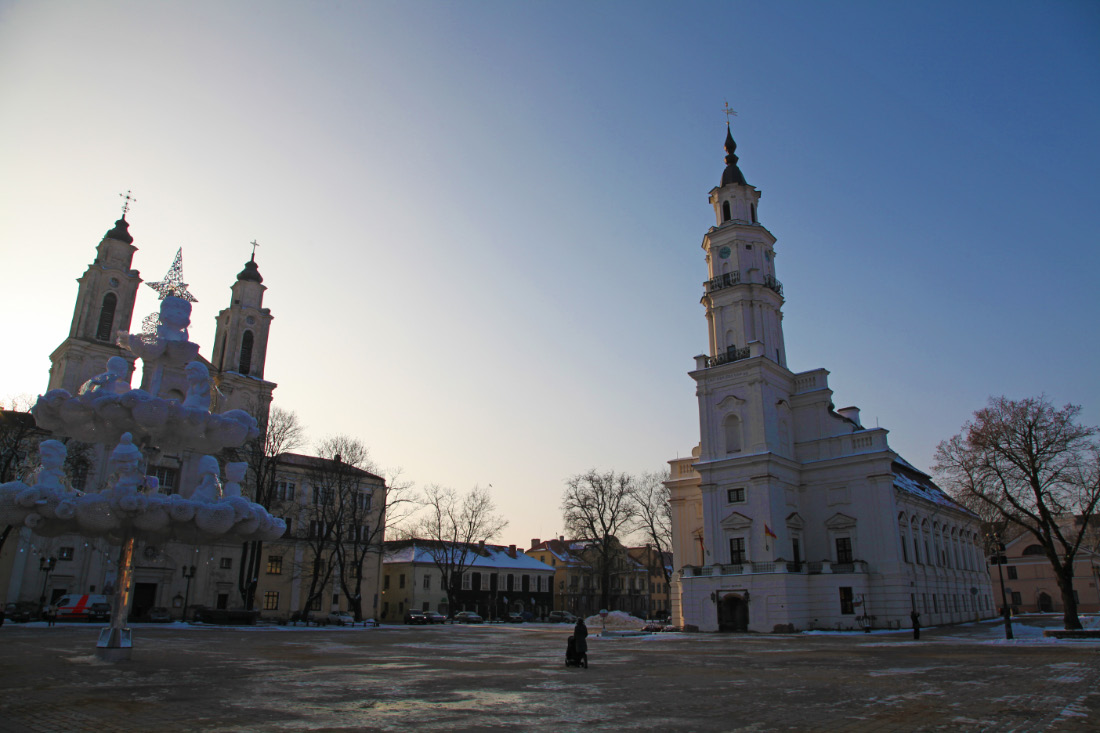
x=480, y=222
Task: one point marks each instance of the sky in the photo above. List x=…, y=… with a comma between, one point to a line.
x=480, y=222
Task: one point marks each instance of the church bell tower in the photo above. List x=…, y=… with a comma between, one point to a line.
x=104, y=307
x=240, y=346
x=743, y=298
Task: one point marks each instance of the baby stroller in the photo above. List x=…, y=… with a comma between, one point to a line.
x=576, y=657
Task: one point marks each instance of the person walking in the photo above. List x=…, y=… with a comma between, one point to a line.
x=580, y=640
x=916, y=623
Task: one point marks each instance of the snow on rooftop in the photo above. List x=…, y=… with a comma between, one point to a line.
x=497, y=557
x=920, y=484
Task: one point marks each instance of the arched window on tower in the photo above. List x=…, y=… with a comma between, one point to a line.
x=725, y=211
x=106, y=317
x=246, y=353
x=732, y=428
x=752, y=207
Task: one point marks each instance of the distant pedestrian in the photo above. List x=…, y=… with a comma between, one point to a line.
x=51, y=615
x=916, y=623
x=580, y=636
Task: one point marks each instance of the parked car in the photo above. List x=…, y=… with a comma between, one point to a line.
x=561, y=617
x=340, y=618
x=18, y=613
x=416, y=617
x=435, y=618
x=99, y=612
x=159, y=615
x=515, y=618
x=468, y=617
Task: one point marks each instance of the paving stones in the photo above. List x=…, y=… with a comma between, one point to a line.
x=448, y=678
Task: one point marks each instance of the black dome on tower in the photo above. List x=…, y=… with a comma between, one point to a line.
x=250, y=272
x=732, y=174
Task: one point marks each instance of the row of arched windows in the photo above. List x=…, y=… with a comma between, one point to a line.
x=927, y=542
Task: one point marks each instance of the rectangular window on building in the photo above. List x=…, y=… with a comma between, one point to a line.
x=289, y=525
x=466, y=581
x=65, y=553
x=364, y=501
x=274, y=564
x=735, y=496
x=847, y=601
x=385, y=609
x=935, y=606
x=401, y=580
x=335, y=599
x=271, y=600
x=475, y=581
x=426, y=607
x=737, y=550
x=166, y=478
x=1011, y=571
x=844, y=549
x=226, y=563
x=284, y=490
x=386, y=582
x=510, y=584
x=1017, y=599
x=315, y=604
x=427, y=582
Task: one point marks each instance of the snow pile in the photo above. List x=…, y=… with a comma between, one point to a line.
x=615, y=620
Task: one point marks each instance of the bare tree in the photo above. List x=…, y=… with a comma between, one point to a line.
x=598, y=508
x=453, y=525
x=652, y=496
x=368, y=504
x=282, y=432
x=1037, y=468
x=19, y=437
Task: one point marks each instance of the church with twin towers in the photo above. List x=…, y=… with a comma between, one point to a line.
x=789, y=514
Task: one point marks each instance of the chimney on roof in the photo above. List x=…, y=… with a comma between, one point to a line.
x=852, y=413
x=511, y=550
x=535, y=543
x=561, y=538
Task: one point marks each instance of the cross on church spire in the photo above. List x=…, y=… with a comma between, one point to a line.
x=254, y=244
x=126, y=200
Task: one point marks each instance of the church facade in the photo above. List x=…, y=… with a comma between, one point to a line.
x=175, y=575
x=790, y=514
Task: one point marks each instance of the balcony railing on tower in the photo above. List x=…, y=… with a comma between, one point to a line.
x=722, y=281
x=772, y=284
x=732, y=354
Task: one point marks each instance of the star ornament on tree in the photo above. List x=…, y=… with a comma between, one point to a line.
x=173, y=283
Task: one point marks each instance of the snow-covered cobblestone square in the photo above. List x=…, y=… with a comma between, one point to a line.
x=436, y=678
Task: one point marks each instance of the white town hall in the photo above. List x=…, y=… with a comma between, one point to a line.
x=790, y=514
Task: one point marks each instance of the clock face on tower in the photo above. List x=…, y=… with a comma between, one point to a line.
x=724, y=253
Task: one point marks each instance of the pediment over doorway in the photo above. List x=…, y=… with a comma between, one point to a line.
x=736, y=520
x=840, y=521
x=794, y=521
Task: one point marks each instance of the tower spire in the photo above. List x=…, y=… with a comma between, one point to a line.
x=732, y=174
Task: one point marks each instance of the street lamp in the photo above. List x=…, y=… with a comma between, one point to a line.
x=45, y=565
x=188, y=572
x=1000, y=547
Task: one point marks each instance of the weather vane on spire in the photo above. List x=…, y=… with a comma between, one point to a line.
x=126, y=200
x=254, y=244
x=729, y=113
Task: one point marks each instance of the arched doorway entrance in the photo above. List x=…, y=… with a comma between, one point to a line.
x=1045, y=603
x=733, y=613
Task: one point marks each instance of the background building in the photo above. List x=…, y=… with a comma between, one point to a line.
x=1030, y=585
x=499, y=580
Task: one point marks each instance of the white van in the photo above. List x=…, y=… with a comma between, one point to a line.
x=77, y=607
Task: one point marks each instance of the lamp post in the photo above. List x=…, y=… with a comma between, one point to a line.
x=188, y=572
x=1000, y=547
x=45, y=565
